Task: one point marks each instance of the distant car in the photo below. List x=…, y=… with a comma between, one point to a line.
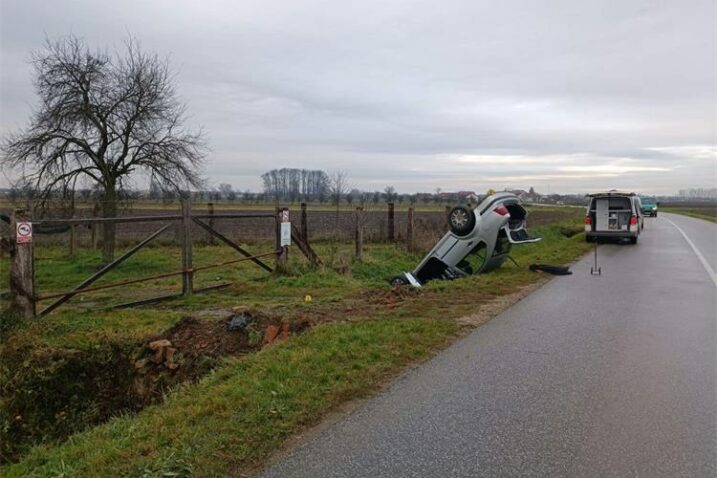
x=614, y=214
x=649, y=206
x=479, y=240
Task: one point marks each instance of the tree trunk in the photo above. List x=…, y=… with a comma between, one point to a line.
x=109, y=209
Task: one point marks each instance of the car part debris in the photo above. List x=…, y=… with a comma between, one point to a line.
x=550, y=269
x=239, y=322
x=479, y=241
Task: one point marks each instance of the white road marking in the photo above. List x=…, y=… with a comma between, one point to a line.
x=699, y=255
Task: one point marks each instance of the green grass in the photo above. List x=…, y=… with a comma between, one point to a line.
x=85, y=318
x=708, y=213
x=240, y=414
x=232, y=419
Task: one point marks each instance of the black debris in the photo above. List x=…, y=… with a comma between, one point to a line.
x=555, y=270
x=239, y=322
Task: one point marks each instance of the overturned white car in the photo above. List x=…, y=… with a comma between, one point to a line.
x=479, y=240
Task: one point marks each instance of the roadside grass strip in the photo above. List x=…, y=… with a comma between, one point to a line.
x=238, y=415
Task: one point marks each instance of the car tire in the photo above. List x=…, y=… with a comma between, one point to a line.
x=633, y=240
x=398, y=281
x=461, y=220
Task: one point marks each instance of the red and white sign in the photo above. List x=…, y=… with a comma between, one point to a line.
x=23, y=232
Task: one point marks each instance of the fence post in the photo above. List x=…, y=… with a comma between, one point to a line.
x=186, y=227
x=359, y=233
x=282, y=254
x=391, y=224
x=22, y=269
x=409, y=230
x=304, y=225
x=210, y=237
x=95, y=213
x=73, y=239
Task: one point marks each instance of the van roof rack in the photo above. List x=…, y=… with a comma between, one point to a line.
x=612, y=192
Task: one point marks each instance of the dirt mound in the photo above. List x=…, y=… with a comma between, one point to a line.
x=192, y=347
x=207, y=338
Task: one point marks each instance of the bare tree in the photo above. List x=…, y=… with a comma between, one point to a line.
x=101, y=118
x=390, y=194
x=338, y=188
x=227, y=192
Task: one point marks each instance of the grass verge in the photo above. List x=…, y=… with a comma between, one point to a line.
x=238, y=415
x=708, y=213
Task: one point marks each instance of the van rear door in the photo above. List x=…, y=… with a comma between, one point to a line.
x=611, y=213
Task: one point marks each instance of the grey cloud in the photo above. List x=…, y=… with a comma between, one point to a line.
x=389, y=90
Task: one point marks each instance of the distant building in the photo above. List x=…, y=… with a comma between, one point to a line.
x=459, y=196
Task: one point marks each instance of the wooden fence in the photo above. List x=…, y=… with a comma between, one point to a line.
x=25, y=297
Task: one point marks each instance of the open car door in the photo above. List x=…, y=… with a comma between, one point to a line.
x=515, y=228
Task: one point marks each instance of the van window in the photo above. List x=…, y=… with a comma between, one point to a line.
x=615, y=204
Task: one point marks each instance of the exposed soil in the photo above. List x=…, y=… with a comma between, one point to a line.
x=191, y=348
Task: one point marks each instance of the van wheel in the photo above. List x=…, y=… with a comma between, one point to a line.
x=461, y=220
x=633, y=240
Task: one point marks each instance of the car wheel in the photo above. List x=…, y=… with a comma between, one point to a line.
x=461, y=220
x=398, y=281
x=633, y=240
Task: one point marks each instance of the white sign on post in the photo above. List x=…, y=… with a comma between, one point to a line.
x=23, y=232
x=285, y=234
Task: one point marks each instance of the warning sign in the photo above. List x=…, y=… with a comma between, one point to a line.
x=24, y=232
x=285, y=215
x=285, y=234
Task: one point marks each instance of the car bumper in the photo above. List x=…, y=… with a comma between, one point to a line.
x=615, y=234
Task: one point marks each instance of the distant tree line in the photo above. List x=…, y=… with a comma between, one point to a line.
x=699, y=193
x=291, y=184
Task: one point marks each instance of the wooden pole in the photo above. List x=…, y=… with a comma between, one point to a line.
x=22, y=269
x=95, y=213
x=231, y=244
x=359, y=233
x=409, y=230
x=304, y=223
x=282, y=255
x=391, y=223
x=187, y=275
x=210, y=237
x=73, y=240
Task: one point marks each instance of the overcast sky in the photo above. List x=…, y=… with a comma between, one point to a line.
x=565, y=96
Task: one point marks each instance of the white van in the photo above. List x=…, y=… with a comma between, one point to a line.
x=613, y=214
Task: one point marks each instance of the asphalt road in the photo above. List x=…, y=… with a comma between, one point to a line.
x=612, y=375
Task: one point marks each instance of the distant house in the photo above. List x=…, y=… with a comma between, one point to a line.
x=521, y=193
x=459, y=196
